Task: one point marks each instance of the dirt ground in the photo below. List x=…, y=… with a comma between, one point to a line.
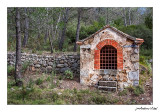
x=146, y=98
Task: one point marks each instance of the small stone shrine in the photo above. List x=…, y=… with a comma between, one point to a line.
x=109, y=59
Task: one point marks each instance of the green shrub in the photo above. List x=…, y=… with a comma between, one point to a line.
x=59, y=102
x=31, y=83
x=75, y=90
x=85, y=91
x=60, y=77
x=48, y=78
x=130, y=88
x=139, y=31
x=11, y=84
x=39, y=52
x=39, y=81
x=10, y=70
x=53, y=75
x=138, y=90
x=98, y=99
x=122, y=93
x=39, y=101
x=57, y=83
x=55, y=96
x=68, y=74
x=25, y=66
x=144, y=61
x=115, y=100
x=33, y=50
x=148, y=53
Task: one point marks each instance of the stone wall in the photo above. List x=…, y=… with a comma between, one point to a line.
x=60, y=62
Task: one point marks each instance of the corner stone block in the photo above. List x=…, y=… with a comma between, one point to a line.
x=136, y=51
x=133, y=75
x=135, y=83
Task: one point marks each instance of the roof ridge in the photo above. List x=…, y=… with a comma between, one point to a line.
x=114, y=29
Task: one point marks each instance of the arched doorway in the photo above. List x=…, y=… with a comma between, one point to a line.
x=112, y=45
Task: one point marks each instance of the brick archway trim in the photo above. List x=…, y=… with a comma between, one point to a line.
x=113, y=43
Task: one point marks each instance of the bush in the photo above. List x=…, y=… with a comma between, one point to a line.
x=130, y=88
x=25, y=66
x=31, y=83
x=10, y=70
x=122, y=93
x=138, y=90
x=39, y=81
x=144, y=61
x=69, y=74
x=99, y=99
x=139, y=31
x=148, y=53
x=53, y=75
x=11, y=84
x=60, y=77
x=55, y=96
x=48, y=78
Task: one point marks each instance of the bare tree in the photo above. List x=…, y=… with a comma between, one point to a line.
x=79, y=10
x=26, y=28
x=124, y=16
x=59, y=18
x=65, y=20
x=129, y=15
x=18, y=65
x=107, y=21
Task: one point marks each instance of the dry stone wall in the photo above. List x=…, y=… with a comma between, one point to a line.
x=46, y=63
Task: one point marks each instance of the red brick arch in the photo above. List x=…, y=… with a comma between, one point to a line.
x=113, y=43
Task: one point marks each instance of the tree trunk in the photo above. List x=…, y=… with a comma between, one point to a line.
x=46, y=36
x=55, y=32
x=107, y=21
x=65, y=20
x=78, y=29
x=26, y=28
x=50, y=40
x=124, y=16
x=18, y=65
x=129, y=14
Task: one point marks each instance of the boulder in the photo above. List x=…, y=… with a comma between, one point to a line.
x=60, y=65
x=61, y=61
x=75, y=65
x=50, y=64
x=62, y=70
x=49, y=69
x=43, y=69
x=37, y=66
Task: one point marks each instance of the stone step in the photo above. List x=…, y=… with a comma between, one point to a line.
x=106, y=88
x=107, y=79
x=108, y=83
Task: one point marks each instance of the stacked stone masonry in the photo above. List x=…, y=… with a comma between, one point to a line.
x=127, y=72
x=46, y=63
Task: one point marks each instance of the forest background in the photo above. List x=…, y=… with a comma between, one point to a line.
x=57, y=29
